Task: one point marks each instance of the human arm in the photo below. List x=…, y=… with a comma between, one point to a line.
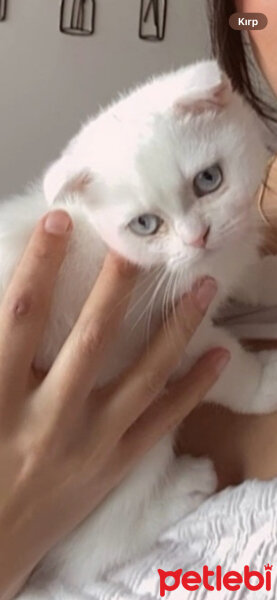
x=56, y=436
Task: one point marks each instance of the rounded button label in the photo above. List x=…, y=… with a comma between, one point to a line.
x=248, y=21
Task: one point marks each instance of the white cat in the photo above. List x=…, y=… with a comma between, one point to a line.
x=165, y=176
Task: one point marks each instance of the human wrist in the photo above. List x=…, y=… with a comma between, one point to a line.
x=22, y=542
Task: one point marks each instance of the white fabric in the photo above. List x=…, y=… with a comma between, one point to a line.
x=237, y=527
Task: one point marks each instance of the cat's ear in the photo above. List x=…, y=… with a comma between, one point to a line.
x=65, y=177
x=211, y=95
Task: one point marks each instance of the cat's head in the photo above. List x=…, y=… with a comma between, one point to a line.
x=170, y=171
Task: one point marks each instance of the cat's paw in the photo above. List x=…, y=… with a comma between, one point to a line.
x=265, y=400
x=192, y=482
x=195, y=480
x=200, y=474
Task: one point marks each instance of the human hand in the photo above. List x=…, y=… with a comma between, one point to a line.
x=62, y=446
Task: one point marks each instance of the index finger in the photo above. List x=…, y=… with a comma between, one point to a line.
x=78, y=364
x=25, y=306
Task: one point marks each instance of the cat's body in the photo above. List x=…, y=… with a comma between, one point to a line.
x=141, y=157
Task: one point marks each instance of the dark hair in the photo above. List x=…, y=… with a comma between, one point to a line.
x=230, y=49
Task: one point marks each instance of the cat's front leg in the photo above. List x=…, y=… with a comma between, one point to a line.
x=249, y=382
x=259, y=284
x=253, y=383
x=265, y=400
x=190, y=482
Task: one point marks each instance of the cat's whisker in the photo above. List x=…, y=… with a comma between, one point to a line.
x=123, y=298
x=174, y=295
x=162, y=277
x=166, y=304
x=158, y=286
x=175, y=292
x=152, y=304
x=152, y=285
x=142, y=283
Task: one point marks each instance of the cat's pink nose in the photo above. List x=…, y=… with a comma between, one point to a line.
x=201, y=241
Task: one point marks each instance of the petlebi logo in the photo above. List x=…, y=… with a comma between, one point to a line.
x=216, y=580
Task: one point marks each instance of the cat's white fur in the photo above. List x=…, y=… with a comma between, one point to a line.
x=141, y=156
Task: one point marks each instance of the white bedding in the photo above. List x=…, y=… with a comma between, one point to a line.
x=237, y=527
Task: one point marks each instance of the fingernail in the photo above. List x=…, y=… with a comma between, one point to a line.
x=57, y=222
x=220, y=359
x=204, y=292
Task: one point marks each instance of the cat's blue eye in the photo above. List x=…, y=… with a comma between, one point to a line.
x=208, y=181
x=145, y=224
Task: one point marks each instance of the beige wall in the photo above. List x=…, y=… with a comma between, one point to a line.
x=50, y=82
